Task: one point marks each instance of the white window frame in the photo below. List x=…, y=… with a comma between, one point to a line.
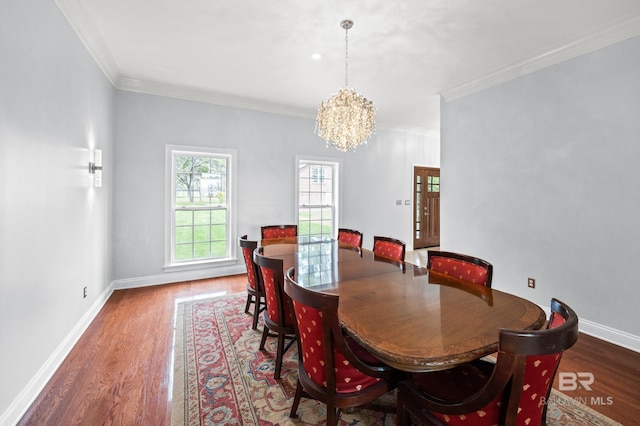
x=336, y=163
x=231, y=256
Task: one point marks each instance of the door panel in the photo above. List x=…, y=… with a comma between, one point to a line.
x=426, y=215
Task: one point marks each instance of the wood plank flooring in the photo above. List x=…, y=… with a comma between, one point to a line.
x=119, y=372
x=615, y=391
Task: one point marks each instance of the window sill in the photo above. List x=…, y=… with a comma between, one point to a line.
x=202, y=264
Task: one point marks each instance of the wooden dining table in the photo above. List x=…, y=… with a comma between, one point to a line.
x=410, y=318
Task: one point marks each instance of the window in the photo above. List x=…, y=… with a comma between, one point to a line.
x=317, y=197
x=317, y=174
x=201, y=209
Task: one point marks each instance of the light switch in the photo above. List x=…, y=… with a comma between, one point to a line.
x=398, y=202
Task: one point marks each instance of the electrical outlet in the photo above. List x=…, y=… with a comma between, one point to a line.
x=531, y=282
x=84, y=292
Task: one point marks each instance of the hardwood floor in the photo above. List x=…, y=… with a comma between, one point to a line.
x=119, y=372
x=615, y=391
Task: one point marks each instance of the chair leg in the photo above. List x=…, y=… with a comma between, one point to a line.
x=296, y=401
x=265, y=334
x=332, y=417
x=249, y=301
x=402, y=415
x=256, y=313
x=279, y=355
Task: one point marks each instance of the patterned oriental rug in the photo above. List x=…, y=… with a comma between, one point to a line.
x=221, y=378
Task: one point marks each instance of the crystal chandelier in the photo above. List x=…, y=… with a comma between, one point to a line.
x=346, y=120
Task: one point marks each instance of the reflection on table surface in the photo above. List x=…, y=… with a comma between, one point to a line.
x=409, y=317
x=322, y=263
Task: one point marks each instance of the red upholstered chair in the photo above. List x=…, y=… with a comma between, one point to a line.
x=278, y=231
x=350, y=236
x=513, y=391
x=332, y=368
x=255, y=289
x=278, y=317
x=461, y=266
x=389, y=247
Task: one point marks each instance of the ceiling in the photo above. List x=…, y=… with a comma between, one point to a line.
x=403, y=55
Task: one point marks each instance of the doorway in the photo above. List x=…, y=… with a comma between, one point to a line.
x=426, y=199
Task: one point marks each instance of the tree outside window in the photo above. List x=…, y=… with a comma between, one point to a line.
x=199, y=204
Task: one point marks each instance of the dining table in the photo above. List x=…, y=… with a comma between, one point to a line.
x=407, y=316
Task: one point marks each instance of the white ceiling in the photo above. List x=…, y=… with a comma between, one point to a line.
x=403, y=54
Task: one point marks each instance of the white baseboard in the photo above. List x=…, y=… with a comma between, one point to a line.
x=23, y=401
x=30, y=392
x=611, y=335
x=179, y=276
x=608, y=334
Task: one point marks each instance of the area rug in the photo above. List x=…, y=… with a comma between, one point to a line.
x=221, y=378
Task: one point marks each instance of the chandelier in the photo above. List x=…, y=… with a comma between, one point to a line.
x=346, y=120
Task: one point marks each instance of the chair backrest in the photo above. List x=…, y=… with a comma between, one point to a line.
x=350, y=236
x=390, y=248
x=532, y=357
x=253, y=274
x=518, y=389
x=464, y=267
x=323, y=352
x=278, y=231
x=278, y=308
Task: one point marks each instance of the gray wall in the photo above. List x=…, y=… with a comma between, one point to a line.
x=58, y=234
x=55, y=104
x=373, y=177
x=540, y=177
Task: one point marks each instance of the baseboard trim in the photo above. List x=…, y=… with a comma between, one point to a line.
x=179, y=276
x=30, y=392
x=608, y=334
x=611, y=335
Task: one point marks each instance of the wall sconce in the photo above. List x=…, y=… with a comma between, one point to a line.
x=95, y=168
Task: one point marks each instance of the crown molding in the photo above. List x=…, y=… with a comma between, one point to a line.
x=76, y=14
x=199, y=95
x=80, y=20
x=623, y=30
x=216, y=98
x=415, y=130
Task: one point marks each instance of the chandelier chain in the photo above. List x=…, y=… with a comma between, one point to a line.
x=346, y=57
x=346, y=120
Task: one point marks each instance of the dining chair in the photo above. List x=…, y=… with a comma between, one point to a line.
x=255, y=289
x=513, y=391
x=390, y=248
x=278, y=231
x=278, y=318
x=332, y=367
x=350, y=237
x=464, y=267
